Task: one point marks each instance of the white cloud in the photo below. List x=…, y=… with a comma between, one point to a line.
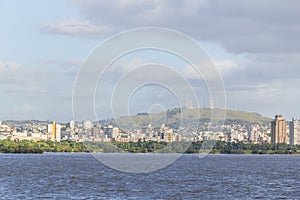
x=224, y=67
x=76, y=27
x=28, y=91
x=269, y=41
x=239, y=26
x=17, y=78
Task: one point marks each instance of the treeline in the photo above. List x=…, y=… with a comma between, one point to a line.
x=240, y=148
x=131, y=147
x=194, y=147
x=25, y=146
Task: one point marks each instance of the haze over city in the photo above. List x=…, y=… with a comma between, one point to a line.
x=253, y=44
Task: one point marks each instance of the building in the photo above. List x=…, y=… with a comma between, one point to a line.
x=253, y=135
x=115, y=132
x=108, y=131
x=295, y=132
x=166, y=133
x=72, y=124
x=236, y=136
x=58, y=133
x=148, y=130
x=279, y=133
x=88, y=125
x=54, y=130
x=96, y=132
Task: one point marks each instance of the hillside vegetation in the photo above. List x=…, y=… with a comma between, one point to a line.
x=189, y=116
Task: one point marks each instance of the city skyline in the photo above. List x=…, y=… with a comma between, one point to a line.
x=149, y=99
x=281, y=131
x=256, y=51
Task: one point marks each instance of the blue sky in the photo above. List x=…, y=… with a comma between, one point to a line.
x=255, y=46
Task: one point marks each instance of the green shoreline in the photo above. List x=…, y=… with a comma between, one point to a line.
x=211, y=147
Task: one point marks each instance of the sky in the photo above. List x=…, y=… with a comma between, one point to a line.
x=255, y=46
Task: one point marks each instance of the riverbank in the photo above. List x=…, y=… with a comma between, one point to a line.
x=213, y=147
x=25, y=146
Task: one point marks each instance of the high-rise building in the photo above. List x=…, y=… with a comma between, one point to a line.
x=58, y=133
x=279, y=130
x=49, y=130
x=72, y=124
x=108, y=131
x=96, y=132
x=115, y=132
x=294, y=132
x=166, y=133
x=54, y=130
x=253, y=134
x=88, y=125
x=169, y=135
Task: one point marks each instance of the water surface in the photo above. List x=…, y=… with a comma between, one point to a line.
x=81, y=176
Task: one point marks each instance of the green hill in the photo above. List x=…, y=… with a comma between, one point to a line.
x=186, y=117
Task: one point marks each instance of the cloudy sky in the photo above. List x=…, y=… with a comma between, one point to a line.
x=255, y=45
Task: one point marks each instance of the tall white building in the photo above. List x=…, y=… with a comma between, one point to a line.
x=54, y=130
x=294, y=132
x=72, y=124
x=58, y=133
x=115, y=132
x=49, y=128
x=88, y=125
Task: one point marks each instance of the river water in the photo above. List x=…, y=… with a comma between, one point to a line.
x=81, y=176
